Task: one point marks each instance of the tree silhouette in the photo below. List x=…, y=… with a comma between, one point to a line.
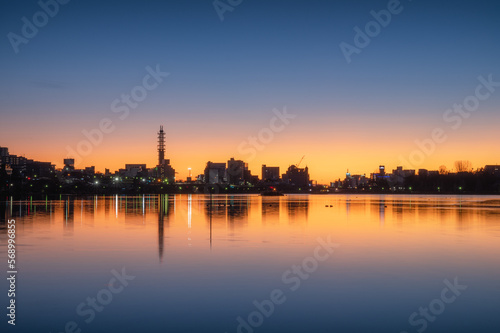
x=463, y=166
x=442, y=170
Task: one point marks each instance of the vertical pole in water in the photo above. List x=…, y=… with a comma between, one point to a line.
x=210, y=220
x=161, y=215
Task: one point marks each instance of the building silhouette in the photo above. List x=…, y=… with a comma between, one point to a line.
x=69, y=164
x=215, y=173
x=270, y=174
x=237, y=172
x=20, y=166
x=296, y=176
x=133, y=170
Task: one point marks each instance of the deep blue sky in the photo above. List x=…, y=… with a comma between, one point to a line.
x=265, y=54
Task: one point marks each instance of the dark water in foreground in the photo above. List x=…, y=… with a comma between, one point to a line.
x=253, y=264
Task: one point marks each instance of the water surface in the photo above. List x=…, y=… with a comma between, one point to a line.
x=199, y=265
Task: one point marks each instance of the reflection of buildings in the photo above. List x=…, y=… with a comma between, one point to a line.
x=69, y=215
x=397, y=210
x=298, y=209
x=216, y=208
x=69, y=210
x=270, y=210
x=381, y=212
x=237, y=209
x=377, y=208
x=222, y=210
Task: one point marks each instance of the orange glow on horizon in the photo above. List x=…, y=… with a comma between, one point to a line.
x=329, y=151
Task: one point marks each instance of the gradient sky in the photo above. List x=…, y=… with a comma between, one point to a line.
x=227, y=77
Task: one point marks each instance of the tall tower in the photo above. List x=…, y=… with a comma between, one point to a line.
x=161, y=146
x=164, y=170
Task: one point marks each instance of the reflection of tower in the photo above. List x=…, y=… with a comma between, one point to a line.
x=161, y=146
x=162, y=211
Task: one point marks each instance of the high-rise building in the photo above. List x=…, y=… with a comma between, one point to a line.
x=134, y=170
x=4, y=155
x=215, y=173
x=69, y=164
x=4, y=151
x=381, y=170
x=296, y=176
x=270, y=173
x=492, y=169
x=237, y=172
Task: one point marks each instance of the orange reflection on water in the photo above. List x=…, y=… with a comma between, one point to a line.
x=396, y=230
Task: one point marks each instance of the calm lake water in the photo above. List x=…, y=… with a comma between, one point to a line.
x=244, y=263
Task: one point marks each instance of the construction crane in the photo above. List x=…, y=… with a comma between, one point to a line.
x=297, y=165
